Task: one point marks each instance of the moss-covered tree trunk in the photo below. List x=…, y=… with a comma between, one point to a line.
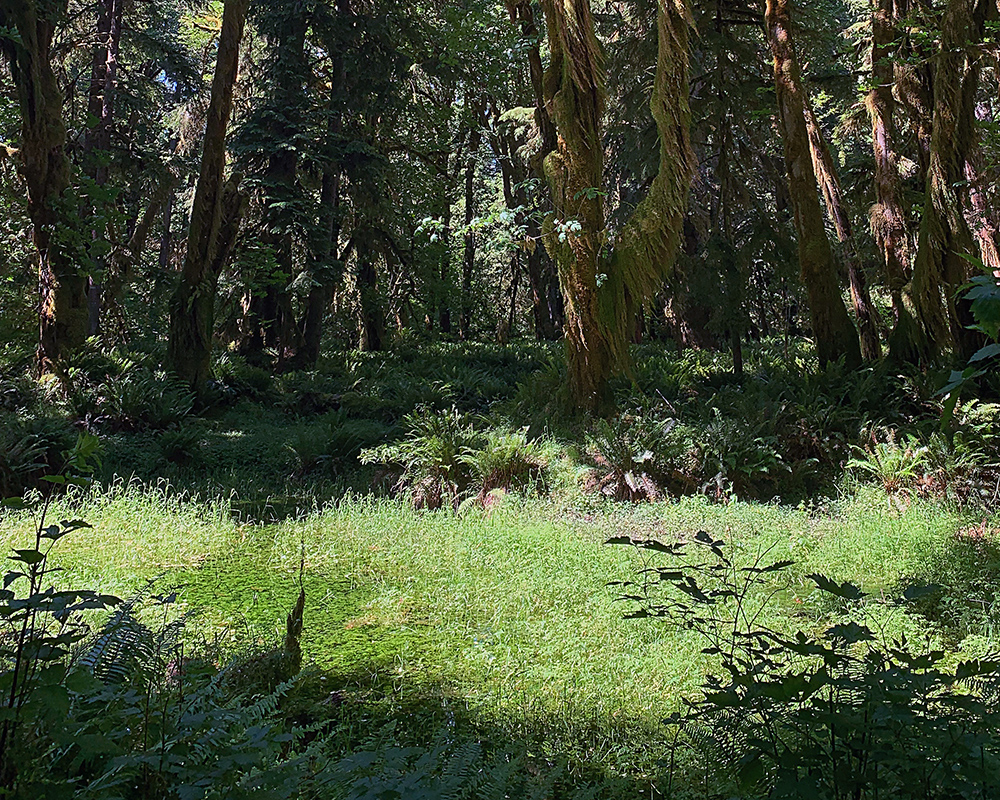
x=605, y=283
x=575, y=234
x=46, y=171
x=215, y=219
x=478, y=109
x=835, y=334
x=934, y=317
x=826, y=173
x=887, y=215
x=546, y=298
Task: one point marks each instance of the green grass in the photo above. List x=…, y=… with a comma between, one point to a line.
x=505, y=615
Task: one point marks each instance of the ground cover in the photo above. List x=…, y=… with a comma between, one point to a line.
x=503, y=616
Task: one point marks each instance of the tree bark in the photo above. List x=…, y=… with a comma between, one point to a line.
x=888, y=215
x=826, y=173
x=372, y=312
x=46, y=171
x=603, y=288
x=327, y=268
x=469, y=253
x=833, y=330
x=215, y=219
x=97, y=142
x=934, y=317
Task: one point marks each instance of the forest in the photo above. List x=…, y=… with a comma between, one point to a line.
x=536, y=399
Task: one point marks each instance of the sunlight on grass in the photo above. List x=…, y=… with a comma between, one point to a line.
x=507, y=611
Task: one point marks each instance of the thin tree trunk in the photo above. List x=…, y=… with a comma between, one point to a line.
x=469, y=254
x=826, y=172
x=833, y=330
x=326, y=251
x=547, y=301
x=444, y=312
x=372, y=313
x=215, y=219
x=983, y=218
x=97, y=143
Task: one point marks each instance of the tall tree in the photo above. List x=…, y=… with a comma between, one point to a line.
x=46, y=170
x=835, y=334
x=888, y=214
x=604, y=282
x=215, y=219
x=945, y=242
x=836, y=209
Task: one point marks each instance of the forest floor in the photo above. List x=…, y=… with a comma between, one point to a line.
x=500, y=623
x=496, y=621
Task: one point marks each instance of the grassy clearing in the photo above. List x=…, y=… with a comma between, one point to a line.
x=505, y=614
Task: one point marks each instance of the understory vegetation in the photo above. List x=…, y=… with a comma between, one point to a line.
x=816, y=540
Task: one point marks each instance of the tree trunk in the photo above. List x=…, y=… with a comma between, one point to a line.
x=469, y=254
x=46, y=171
x=97, y=142
x=888, y=216
x=444, y=311
x=826, y=172
x=547, y=301
x=372, y=313
x=983, y=218
x=215, y=219
x=603, y=291
x=944, y=240
x=835, y=335
x=327, y=269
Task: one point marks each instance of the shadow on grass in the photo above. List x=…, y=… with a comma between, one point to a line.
x=389, y=705
x=967, y=573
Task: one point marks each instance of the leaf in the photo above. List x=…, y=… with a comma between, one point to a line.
x=916, y=592
x=975, y=668
x=848, y=591
x=850, y=633
x=29, y=557
x=16, y=503
x=989, y=351
x=777, y=566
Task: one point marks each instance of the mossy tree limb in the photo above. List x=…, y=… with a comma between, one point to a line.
x=604, y=283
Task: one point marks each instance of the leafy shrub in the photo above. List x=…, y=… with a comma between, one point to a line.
x=896, y=465
x=28, y=449
x=507, y=461
x=336, y=448
x=242, y=379
x=19, y=393
x=832, y=715
x=734, y=455
x=143, y=398
x=180, y=446
x=308, y=393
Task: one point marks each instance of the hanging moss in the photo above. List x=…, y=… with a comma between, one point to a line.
x=605, y=283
